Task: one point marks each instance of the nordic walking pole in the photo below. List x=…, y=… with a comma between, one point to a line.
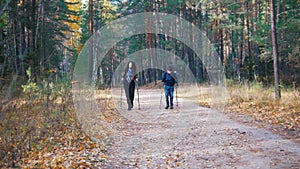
x=121, y=93
x=161, y=93
x=176, y=95
x=138, y=93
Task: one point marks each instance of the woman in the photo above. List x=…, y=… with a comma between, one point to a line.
x=129, y=79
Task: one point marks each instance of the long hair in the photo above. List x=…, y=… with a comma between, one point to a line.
x=133, y=68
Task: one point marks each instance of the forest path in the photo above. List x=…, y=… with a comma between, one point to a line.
x=190, y=136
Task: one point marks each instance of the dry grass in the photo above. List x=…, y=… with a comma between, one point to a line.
x=259, y=102
x=153, y=85
x=256, y=101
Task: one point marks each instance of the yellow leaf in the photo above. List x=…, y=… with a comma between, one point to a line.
x=80, y=148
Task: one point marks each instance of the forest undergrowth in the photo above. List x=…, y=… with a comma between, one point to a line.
x=39, y=129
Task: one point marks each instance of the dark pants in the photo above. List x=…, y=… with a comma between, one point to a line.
x=169, y=92
x=129, y=91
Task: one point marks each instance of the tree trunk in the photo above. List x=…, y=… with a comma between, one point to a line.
x=266, y=23
x=43, y=47
x=255, y=45
x=221, y=45
x=241, y=49
x=37, y=24
x=32, y=32
x=5, y=54
x=233, y=55
x=249, y=47
x=149, y=41
x=277, y=12
x=21, y=48
x=15, y=46
x=220, y=35
x=274, y=50
x=91, y=29
x=284, y=47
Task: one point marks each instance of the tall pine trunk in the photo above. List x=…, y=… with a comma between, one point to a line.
x=255, y=45
x=43, y=40
x=274, y=50
x=91, y=27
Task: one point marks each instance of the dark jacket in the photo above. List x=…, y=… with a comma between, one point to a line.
x=169, y=79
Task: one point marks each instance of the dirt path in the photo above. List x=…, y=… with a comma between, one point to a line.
x=191, y=136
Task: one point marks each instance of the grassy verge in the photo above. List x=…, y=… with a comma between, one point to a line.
x=258, y=102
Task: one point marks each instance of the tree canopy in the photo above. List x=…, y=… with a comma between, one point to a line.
x=47, y=36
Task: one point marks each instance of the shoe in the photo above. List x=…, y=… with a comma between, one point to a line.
x=172, y=107
x=166, y=107
x=129, y=108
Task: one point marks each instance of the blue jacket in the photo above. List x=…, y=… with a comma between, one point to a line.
x=168, y=79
